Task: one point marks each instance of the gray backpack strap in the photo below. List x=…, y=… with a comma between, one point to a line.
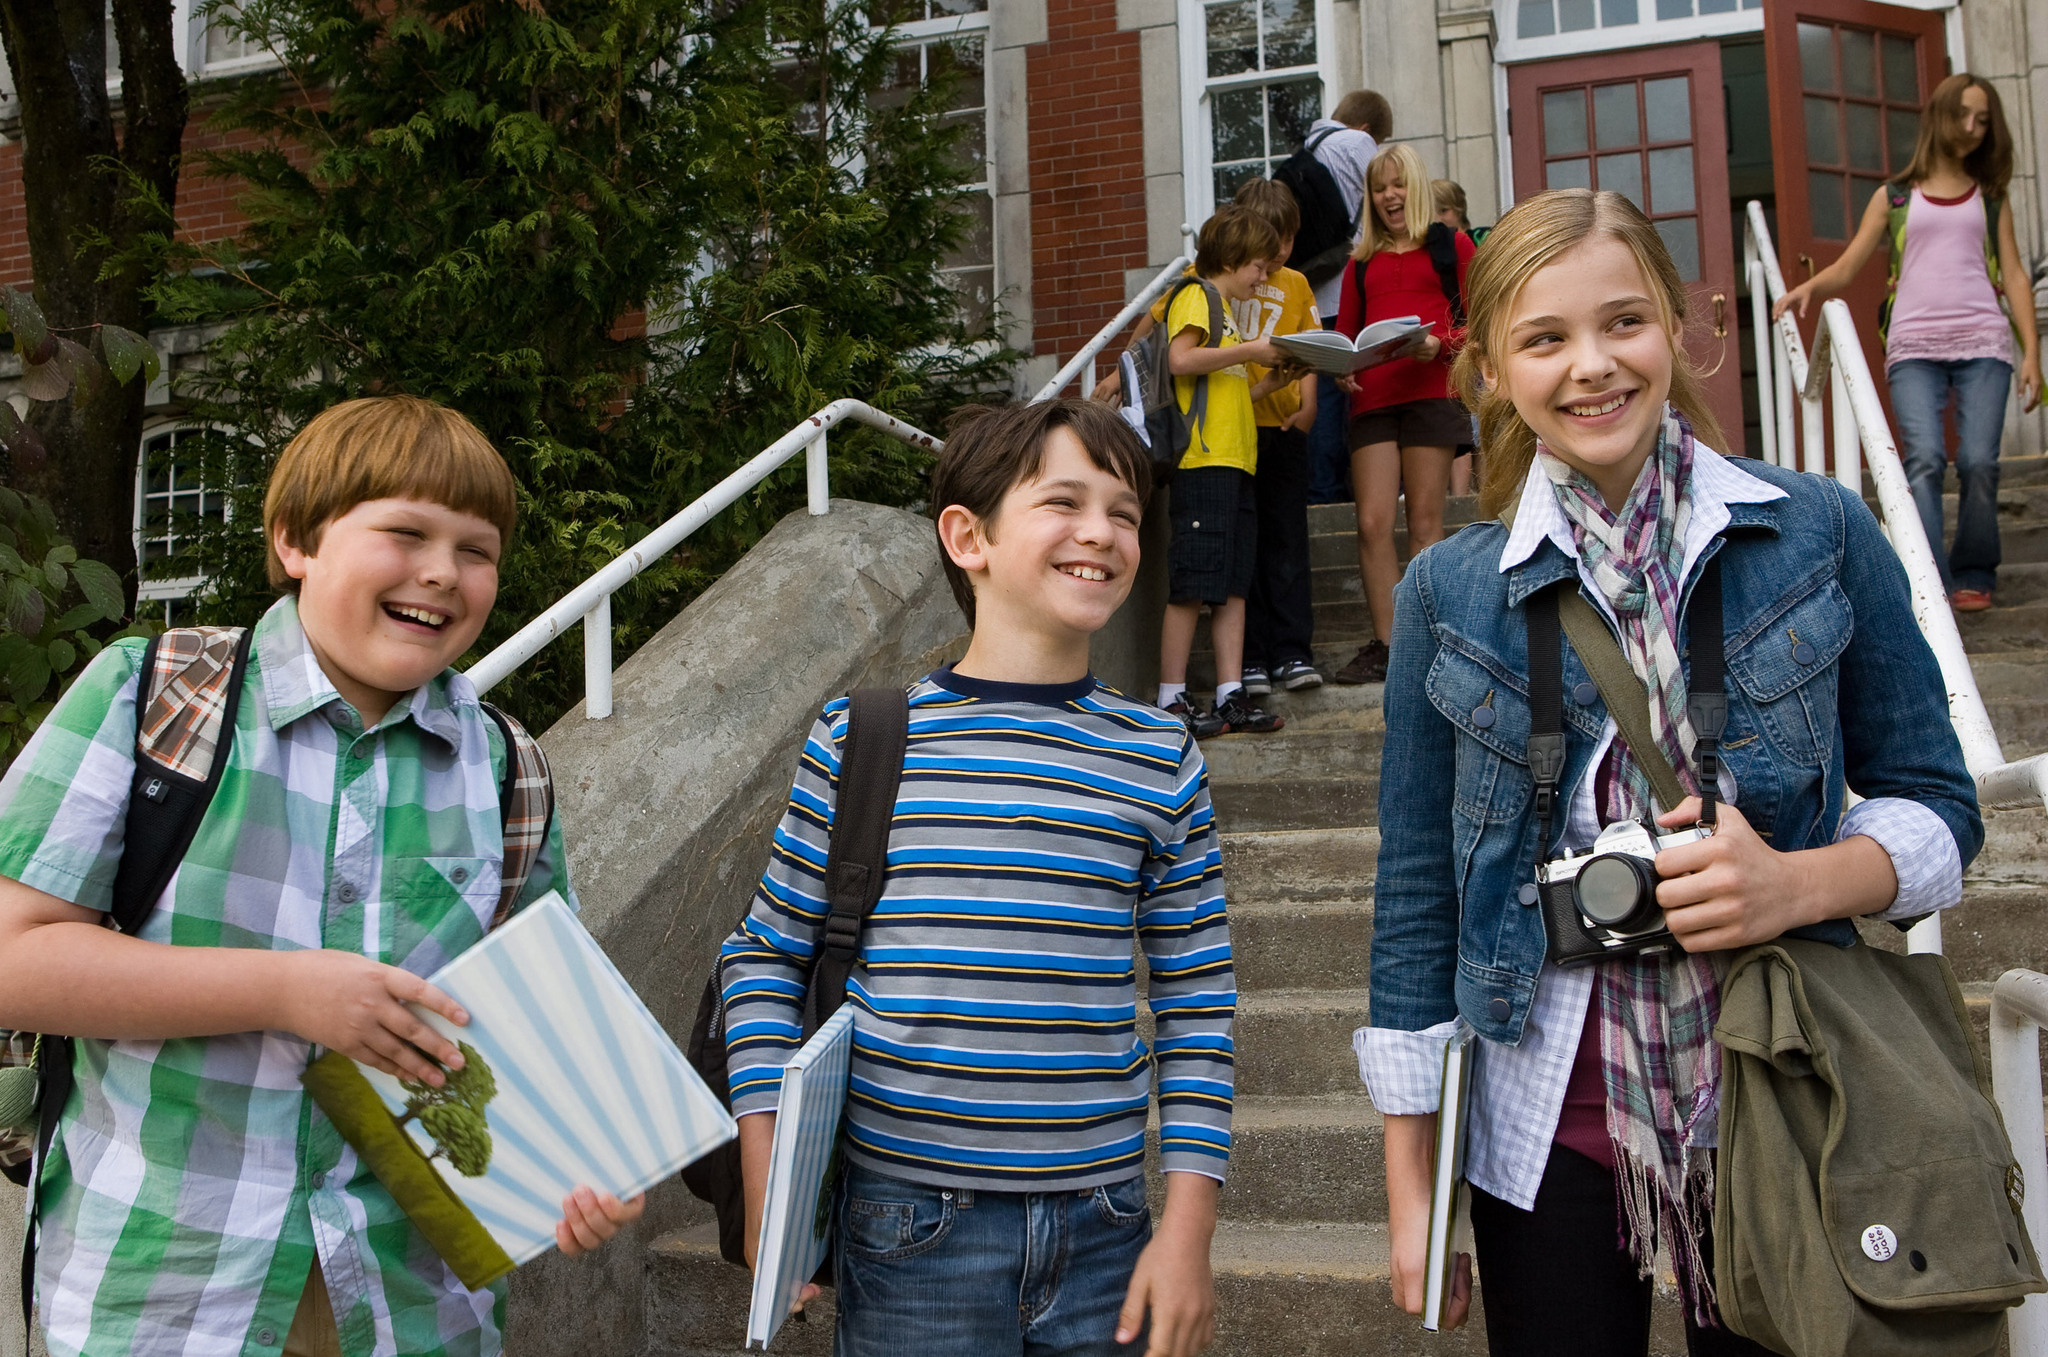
x=526, y=805
x=1198, y=403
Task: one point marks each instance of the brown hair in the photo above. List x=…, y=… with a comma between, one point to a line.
x=991, y=450
x=1367, y=109
x=1232, y=238
x=1402, y=162
x=1275, y=202
x=382, y=447
x=1449, y=196
x=1990, y=164
x=1533, y=234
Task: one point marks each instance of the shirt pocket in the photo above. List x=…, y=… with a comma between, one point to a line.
x=446, y=900
x=1491, y=783
x=1786, y=669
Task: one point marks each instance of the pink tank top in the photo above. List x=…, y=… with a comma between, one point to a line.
x=1945, y=309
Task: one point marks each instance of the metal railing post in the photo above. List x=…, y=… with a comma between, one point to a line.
x=1766, y=376
x=597, y=660
x=1848, y=443
x=1813, y=445
x=817, y=475
x=2019, y=1007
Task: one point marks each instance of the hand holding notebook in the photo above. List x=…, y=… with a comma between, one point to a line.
x=1380, y=342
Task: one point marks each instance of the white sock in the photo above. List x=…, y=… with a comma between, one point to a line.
x=1169, y=693
x=1224, y=690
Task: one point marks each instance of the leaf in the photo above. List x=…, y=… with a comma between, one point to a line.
x=83, y=615
x=24, y=607
x=29, y=675
x=12, y=648
x=127, y=353
x=45, y=381
x=61, y=554
x=25, y=318
x=11, y=562
x=62, y=656
x=87, y=646
x=54, y=573
x=101, y=587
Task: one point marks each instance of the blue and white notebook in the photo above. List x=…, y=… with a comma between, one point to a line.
x=570, y=1081
x=1448, y=1191
x=796, y=1212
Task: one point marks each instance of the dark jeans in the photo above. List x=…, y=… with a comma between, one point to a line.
x=1558, y=1282
x=943, y=1272
x=1277, y=618
x=1920, y=391
x=1329, y=455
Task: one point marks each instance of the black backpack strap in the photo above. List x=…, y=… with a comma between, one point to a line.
x=1546, y=708
x=1442, y=243
x=526, y=807
x=870, y=770
x=1706, y=697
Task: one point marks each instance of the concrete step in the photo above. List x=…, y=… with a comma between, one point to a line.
x=1297, y=1042
x=1317, y=1291
x=1294, y=1159
x=1334, y=708
x=696, y=1303
x=1297, y=803
x=1295, y=751
x=1302, y=944
x=2006, y=627
x=2019, y=585
x=1301, y=866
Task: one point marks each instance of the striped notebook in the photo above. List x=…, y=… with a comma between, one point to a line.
x=796, y=1213
x=569, y=1081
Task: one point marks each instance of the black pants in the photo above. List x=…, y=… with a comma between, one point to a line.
x=1557, y=1281
x=1278, y=619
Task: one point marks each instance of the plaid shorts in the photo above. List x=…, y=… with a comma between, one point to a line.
x=1215, y=535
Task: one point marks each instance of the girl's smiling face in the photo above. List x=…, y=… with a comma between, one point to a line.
x=1390, y=203
x=1587, y=359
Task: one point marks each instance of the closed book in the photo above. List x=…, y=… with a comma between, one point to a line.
x=1447, y=1191
x=796, y=1209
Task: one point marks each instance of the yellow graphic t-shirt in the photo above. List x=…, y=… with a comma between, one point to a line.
x=1282, y=305
x=1225, y=435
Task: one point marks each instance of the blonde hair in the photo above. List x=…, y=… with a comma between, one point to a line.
x=382, y=447
x=1531, y=236
x=1449, y=196
x=1405, y=164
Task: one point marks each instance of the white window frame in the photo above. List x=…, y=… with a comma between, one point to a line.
x=186, y=12
x=1197, y=89
x=922, y=31
x=1646, y=31
x=182, y=587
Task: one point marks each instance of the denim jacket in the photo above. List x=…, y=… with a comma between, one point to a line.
x=1807, y=577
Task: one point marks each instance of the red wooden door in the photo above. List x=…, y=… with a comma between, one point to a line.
x=1647, y=124
x=1847, y=79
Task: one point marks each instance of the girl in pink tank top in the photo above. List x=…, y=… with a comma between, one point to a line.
x=1953, y=252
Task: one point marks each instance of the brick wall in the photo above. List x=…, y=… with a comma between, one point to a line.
x=1087, y=172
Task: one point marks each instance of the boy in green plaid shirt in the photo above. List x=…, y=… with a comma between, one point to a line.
x=195, y=1202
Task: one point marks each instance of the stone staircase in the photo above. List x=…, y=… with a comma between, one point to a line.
x=1301, y=1251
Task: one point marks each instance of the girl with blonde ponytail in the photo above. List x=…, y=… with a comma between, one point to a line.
x=1594, y=1110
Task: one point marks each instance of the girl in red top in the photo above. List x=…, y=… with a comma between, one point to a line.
x=1405, y=425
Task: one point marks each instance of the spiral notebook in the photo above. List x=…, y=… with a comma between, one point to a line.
x=1448, y=1189
x=796, y=1212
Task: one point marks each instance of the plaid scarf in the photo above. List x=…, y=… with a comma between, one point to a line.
x=1656, y=1014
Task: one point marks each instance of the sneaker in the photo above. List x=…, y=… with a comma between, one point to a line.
x=1255, y=681
x=1201, y=724
x=1295, y=675
x=1970, y=600
x=1369, y=665
x=1239, y=714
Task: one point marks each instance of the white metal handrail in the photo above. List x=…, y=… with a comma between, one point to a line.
x=591, y=601
x=1138, y=305
x=2019, y=1009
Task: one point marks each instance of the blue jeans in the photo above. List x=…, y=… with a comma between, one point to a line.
x=1920, y=390
x=945, y=1272
x=1329, y=451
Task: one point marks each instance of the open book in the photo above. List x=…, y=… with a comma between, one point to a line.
x=568, y=1080
x=796, y=1208
x=1448, y=1191
x=1380, y=342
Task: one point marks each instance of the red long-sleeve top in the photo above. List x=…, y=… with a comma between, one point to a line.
x=1402, y=284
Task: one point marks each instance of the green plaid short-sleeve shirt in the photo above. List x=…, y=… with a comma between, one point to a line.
x=193, y=1182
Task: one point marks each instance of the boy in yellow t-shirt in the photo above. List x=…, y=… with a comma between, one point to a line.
x=1211, y=503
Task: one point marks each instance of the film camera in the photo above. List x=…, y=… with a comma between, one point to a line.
x=1603, y=902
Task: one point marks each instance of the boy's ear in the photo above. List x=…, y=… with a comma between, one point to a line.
x=289, y=555
x=962, y=534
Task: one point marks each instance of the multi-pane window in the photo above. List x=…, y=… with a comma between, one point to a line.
x=1636, y=138
x=224, y=47
x=172, y=507
x=1542, y=18
x=1861, y=102
x=1263, y=84
x=941, y=38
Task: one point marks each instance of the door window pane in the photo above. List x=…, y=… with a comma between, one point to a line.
x=1682, y=238
x=1717, y=6
x=1674, y=9
x=1233, y=38
x=1901, y=132
x=1564, y=122
x=1614, y=116
x=1614, y=13
x=1859, y=62
x=1823, y=132
x=1865, y=150
x=1535, y=19
x=1624, y=174
x=1568, y=174
x=1667, y=108
x=1901, y=71
x=1824, y=199
x=1574, y=16
x=1671, y=185
x=1860, y=193
x=1817, y=58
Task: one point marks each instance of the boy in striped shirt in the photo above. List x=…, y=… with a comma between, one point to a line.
x=994, y=1195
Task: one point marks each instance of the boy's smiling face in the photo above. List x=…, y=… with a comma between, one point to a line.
x=397, y=590
x=1055, y=561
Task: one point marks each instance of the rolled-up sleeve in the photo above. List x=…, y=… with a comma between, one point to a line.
x=1922, y=849
x=1403, y=1071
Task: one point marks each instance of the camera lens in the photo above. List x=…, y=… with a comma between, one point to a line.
x=1614, y=889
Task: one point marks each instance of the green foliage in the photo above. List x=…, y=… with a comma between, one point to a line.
x=460, y=1137
x=55, y=365
x=453, y=1114
x=494, y=194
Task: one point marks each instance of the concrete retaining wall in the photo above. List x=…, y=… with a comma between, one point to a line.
x=670, y=805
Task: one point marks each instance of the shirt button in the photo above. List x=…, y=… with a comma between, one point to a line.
x=459, y=875
x=1802, y=653
x=1528, y=895
x=267, y=1337
x=1499, y=1009
x=318, y=1181
x=1585, y=694
x=347, y=893
x=1482, y=717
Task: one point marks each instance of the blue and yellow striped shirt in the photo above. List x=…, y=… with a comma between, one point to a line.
x=1038, y=830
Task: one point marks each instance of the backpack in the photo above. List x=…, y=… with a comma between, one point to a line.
x=1327, y=229
x=1897, y=200
x=188, y=691
x=1441, y=244
x=870, y=769
x=1148, y=396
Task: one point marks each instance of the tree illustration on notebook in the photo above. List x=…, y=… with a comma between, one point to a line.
x=453, y=1114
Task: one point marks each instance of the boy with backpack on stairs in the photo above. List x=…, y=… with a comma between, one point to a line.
x=287, y=826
